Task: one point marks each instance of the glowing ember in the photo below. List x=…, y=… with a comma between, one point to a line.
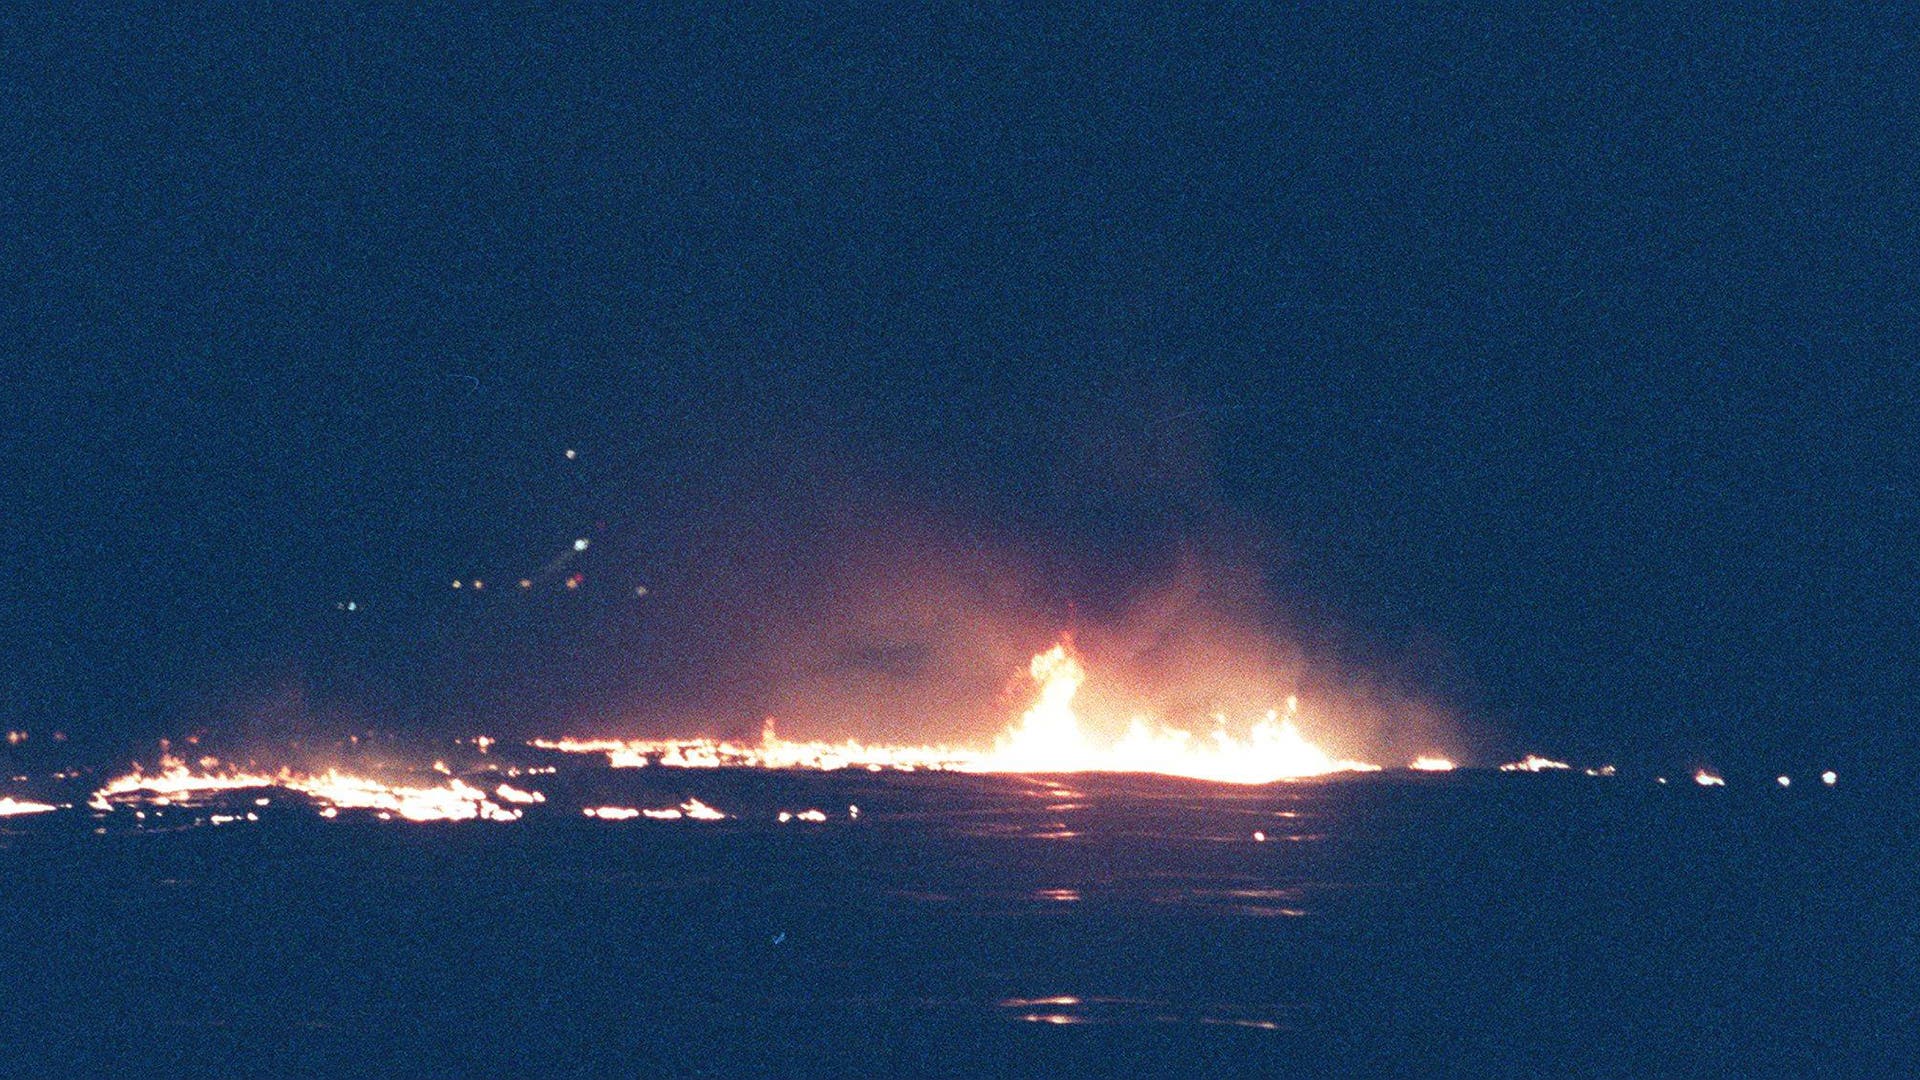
x=11, y=807
x=1708, y=779
x=1430, y=763
x=1534, y=763
x=1046, y=738
x=611, y=813
x=515, y=795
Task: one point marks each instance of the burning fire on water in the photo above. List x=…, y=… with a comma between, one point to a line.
x=12, y=807
x=333, y=790
x=1047, y=738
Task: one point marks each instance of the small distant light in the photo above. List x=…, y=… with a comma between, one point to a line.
x=353, y=605
x=478, y=584
x=853, y=811
x=1661, y=779
x=1828, y=777
x=571, y=454
x=580, y=544
x=526, y=583
x=573, y=582
x=1785, y=781
x=1259, y=836
x=456, y=584
x=639, y=590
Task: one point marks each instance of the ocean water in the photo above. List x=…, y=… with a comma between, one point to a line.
x=1466, y=924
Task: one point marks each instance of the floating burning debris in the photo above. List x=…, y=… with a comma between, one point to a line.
x=12, y=807
x=1706, y=778
x=1431, y=763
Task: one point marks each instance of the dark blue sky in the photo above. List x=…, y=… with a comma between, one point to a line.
x=1555, y=368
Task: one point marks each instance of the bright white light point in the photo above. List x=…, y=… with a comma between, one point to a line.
x=456, y=584
x=1786, y=781
x=785, y=817
x=1259, y=836
x=1707, y=779
x=1828, y=777
x=580, y=544
x=351, y=606
x=571, y=454
x=853, y=811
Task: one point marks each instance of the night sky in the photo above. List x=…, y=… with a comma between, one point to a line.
x=1548, y=380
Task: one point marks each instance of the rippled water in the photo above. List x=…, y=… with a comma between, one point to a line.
x=1463, y=924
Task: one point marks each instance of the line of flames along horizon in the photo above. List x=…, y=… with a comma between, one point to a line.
x=1047, y=738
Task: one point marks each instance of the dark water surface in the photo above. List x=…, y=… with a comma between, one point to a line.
x=1468, y=924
